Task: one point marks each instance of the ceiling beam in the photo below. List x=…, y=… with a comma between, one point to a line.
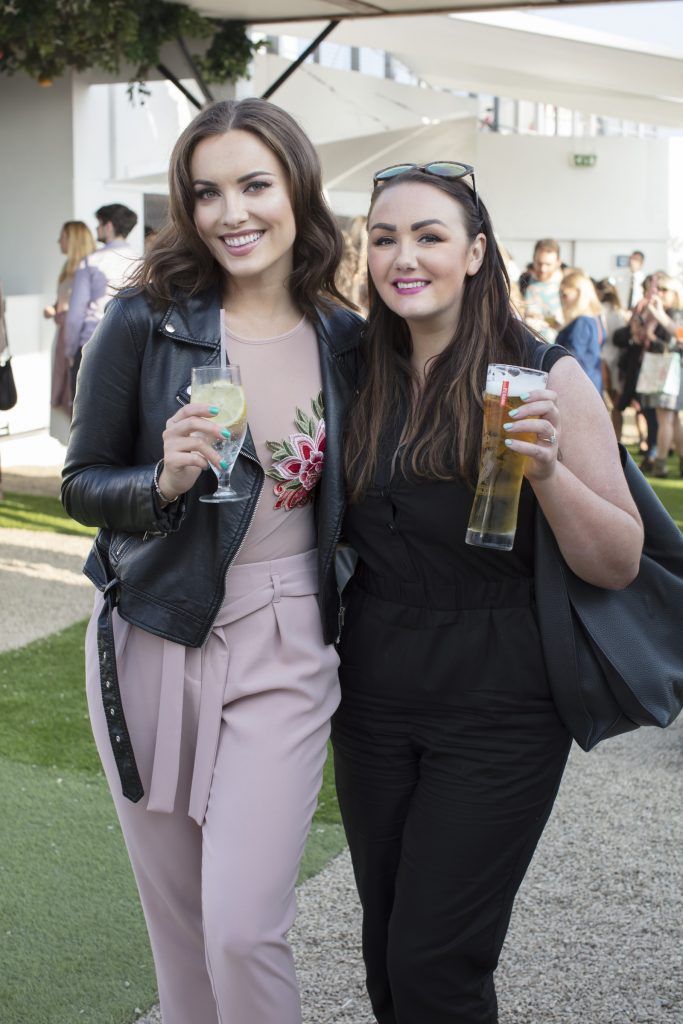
x=299, y=61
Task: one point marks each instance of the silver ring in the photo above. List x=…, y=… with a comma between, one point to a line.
x=552, y=439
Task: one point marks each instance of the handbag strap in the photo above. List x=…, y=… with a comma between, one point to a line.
x=545, y=356
x=4, y=340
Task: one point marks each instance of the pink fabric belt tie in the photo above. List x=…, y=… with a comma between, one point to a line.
x=251, y=587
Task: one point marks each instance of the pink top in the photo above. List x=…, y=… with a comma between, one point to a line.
x=283, y=388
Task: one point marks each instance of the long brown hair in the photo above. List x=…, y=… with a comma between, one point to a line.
x=442, y=437
x=178, y=260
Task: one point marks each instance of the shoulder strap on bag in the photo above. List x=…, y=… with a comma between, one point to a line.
x=545, y=356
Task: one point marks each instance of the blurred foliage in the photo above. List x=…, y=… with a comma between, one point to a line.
x=48, y=38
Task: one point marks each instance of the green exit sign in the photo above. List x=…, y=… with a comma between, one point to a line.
x=584, y=159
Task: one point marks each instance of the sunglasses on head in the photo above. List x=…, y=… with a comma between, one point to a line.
x=448, y=169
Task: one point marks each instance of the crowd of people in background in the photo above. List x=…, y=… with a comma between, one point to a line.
x=610, y=334
x=608, y=329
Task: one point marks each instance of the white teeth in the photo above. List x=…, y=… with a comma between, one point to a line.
x=234, y=243
x=404, y=286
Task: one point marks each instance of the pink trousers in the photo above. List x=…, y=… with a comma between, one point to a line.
x=230, y=741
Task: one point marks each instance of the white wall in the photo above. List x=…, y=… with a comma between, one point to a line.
x=94, y=143
x=533, y=191
x=37, y=194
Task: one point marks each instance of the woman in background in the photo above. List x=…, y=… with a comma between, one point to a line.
x=615, y=317
x=665, y=307
x=584, y=330
x=75, y=242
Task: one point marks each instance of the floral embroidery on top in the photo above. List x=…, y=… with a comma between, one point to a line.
x=298, y=462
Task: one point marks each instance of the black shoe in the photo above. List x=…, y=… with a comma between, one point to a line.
x=646, y=465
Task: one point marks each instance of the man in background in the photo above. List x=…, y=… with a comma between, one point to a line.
x=637, y=275
x=97, y=280
x=541, y=289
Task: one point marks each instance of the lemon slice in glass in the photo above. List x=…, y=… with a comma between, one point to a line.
x=231, y=402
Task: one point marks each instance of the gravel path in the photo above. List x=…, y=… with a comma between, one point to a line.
x=42, y=588
x=597, y=932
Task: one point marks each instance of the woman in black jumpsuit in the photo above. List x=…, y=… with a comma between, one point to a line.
x=448, y=748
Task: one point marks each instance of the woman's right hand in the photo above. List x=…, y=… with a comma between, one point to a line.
x=188, y=437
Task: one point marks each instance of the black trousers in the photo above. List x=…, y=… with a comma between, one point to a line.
x=443, y=804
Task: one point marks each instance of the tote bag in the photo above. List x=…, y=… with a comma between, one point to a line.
x=660, y=374
x=614, y=658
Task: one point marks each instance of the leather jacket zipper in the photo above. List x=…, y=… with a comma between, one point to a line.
x=340, y=620
x=118, y=552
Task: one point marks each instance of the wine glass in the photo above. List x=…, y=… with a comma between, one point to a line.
x=221, y=387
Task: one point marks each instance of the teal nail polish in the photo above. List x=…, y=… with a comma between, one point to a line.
x=214, y=410
x=223, y=464
x=524, y=396
x=226, y=434
x=506, y=426
x=508, y=440
x=513, y=413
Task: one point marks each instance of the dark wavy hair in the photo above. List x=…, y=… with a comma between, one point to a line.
x=442, y=436
x=179, y=260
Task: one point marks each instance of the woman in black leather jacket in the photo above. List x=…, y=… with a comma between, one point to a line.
x=210, y=669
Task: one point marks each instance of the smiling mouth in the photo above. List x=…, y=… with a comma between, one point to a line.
x=240, y=241
x=409, y=286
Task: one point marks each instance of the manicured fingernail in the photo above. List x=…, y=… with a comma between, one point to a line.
x=508, y=440
x=524, y=396
x=214, y=410
x=226, y=433
x=507, y=426
x=223, y=464
x=513, y=413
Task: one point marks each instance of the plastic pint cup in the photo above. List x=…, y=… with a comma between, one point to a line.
x=493, y=519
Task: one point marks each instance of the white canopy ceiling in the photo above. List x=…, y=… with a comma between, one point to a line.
x=515, y=62
x=331, y=104
x=348, y=165
x=255, y=11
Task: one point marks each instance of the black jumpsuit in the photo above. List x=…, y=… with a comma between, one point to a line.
x=448, y=749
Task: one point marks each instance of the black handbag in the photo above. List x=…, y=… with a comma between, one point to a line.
x=8, y=389
x=614, y=657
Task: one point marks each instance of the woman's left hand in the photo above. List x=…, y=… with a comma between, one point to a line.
x=539, y=417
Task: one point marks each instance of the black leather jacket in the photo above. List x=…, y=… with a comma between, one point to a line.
x=168, y=565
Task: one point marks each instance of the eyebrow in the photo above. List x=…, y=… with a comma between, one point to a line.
x=244, y=177
x=413, y=227
x=255, y=174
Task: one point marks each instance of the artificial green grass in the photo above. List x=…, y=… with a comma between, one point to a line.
x=38, y=512
x=670, y=490
x=75, y=946
x=670, y=493
x=74, y=943
x=43, y=713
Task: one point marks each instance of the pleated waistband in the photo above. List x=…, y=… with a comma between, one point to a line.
x=253, y=585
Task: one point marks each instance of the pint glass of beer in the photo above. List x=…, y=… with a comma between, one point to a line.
x=493, y=520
